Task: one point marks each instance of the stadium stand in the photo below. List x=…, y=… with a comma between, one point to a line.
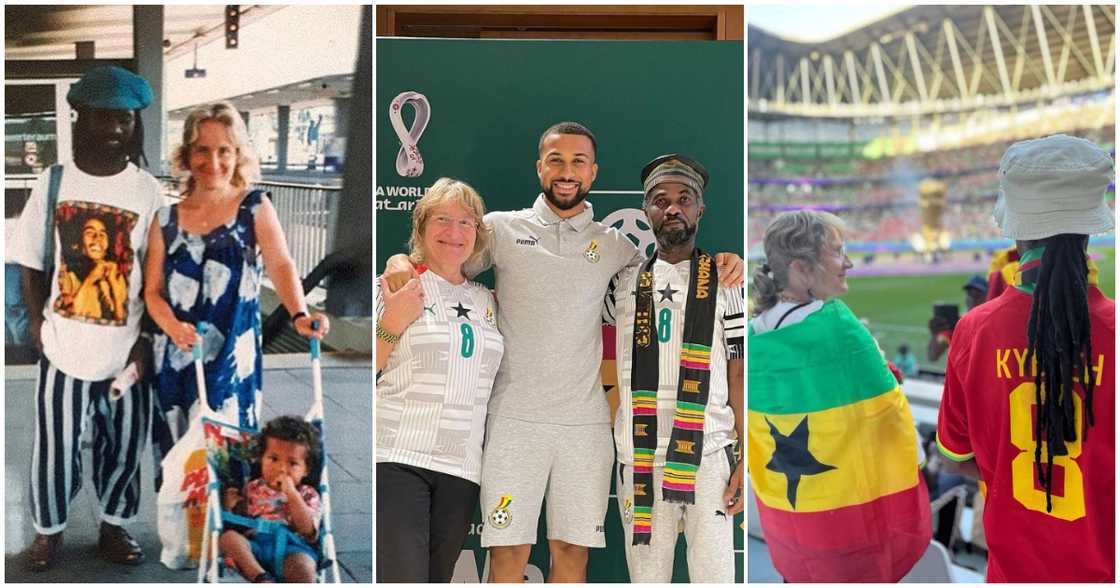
x=878, y=197
x=852, y=124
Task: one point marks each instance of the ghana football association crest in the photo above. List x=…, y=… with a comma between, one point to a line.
x=489, y=317
x=628, y=511
x=501, y=517
x=592, y=251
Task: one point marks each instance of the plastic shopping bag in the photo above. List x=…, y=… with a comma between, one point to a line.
x=181, y=504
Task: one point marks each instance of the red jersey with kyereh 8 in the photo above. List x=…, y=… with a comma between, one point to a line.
x=988, y=412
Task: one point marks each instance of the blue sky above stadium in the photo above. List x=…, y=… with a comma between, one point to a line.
x=811, y=23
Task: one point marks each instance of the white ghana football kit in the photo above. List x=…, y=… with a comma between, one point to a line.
x=440, y=375
x=708, y=529
x=548, y=435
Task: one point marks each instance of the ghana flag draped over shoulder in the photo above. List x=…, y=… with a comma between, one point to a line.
x=833, y=453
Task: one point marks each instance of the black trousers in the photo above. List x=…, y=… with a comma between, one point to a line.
x=422, y=520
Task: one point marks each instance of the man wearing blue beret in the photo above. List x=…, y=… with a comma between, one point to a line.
x=81, y=242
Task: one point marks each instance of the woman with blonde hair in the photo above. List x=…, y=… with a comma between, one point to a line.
x=204, y=266
x=438, y=349
x=831, y=445
x=805, y=265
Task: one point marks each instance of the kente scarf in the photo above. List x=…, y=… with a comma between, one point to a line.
x=686, y=443
x=1030, y=264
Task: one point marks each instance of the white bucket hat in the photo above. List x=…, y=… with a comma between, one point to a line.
x=1054, y=185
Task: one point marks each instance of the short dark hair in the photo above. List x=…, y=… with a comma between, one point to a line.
x=294, y=430
x=568, y=128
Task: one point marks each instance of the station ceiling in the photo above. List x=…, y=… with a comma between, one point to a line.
x=44, y=33
x=52, y=32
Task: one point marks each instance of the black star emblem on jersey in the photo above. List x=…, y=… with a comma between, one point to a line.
x=667, y=292
x=792, y=458
x=431, y=309
x=462, y=311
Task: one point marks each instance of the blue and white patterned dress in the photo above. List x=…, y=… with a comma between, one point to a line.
x=213, y=278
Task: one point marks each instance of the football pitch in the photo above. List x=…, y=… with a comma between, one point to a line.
x=898, y=308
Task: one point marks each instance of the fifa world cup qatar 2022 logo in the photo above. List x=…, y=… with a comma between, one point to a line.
x=409, y=162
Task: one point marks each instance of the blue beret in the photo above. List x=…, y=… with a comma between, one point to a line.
x=111, y=88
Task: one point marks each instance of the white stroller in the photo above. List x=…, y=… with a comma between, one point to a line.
x=231, y=460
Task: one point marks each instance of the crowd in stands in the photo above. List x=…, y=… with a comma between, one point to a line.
x=878, y=201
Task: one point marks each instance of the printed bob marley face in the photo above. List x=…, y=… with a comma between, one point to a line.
x=95, y=239
x=95, y=262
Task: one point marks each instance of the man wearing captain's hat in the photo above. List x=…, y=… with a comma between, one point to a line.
x=81, y=242
x=679, y=345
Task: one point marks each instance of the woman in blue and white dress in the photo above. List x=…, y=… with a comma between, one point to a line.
x=204, y=267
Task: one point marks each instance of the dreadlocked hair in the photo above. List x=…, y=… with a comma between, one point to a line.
x=1058, y=341
x=135, y=148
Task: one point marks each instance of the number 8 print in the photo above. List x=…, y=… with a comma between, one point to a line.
x=467, y=349
x=664, y=325
x=1070, y=505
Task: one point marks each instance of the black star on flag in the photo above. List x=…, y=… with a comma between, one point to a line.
x=462, y=311
x=667, y=292
x=792, y=458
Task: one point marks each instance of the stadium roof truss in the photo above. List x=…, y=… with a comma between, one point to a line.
x=934, y=59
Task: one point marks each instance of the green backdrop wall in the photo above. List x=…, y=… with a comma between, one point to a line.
x=490, y=100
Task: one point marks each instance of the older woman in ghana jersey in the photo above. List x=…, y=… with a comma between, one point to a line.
x=438, y=348
x=204, y=266
x=832, y=449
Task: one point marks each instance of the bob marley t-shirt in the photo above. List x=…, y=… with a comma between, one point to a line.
x=100, y=228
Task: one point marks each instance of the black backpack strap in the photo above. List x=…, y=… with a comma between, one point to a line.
x=791, y=311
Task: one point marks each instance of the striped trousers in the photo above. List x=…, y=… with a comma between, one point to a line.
x=64, y=407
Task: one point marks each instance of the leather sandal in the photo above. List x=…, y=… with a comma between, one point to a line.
x=117, y=546
x=41, y=554
x=263, y=578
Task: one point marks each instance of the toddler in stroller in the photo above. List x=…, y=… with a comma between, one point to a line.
x=274, y=519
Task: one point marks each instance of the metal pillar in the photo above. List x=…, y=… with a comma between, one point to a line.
x=341, y=116
x=147, y=50
x=351, y=291
x=283, y=114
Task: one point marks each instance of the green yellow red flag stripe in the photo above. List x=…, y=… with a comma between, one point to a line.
x=862, y=470
x=958, y=457
x=832, y=453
